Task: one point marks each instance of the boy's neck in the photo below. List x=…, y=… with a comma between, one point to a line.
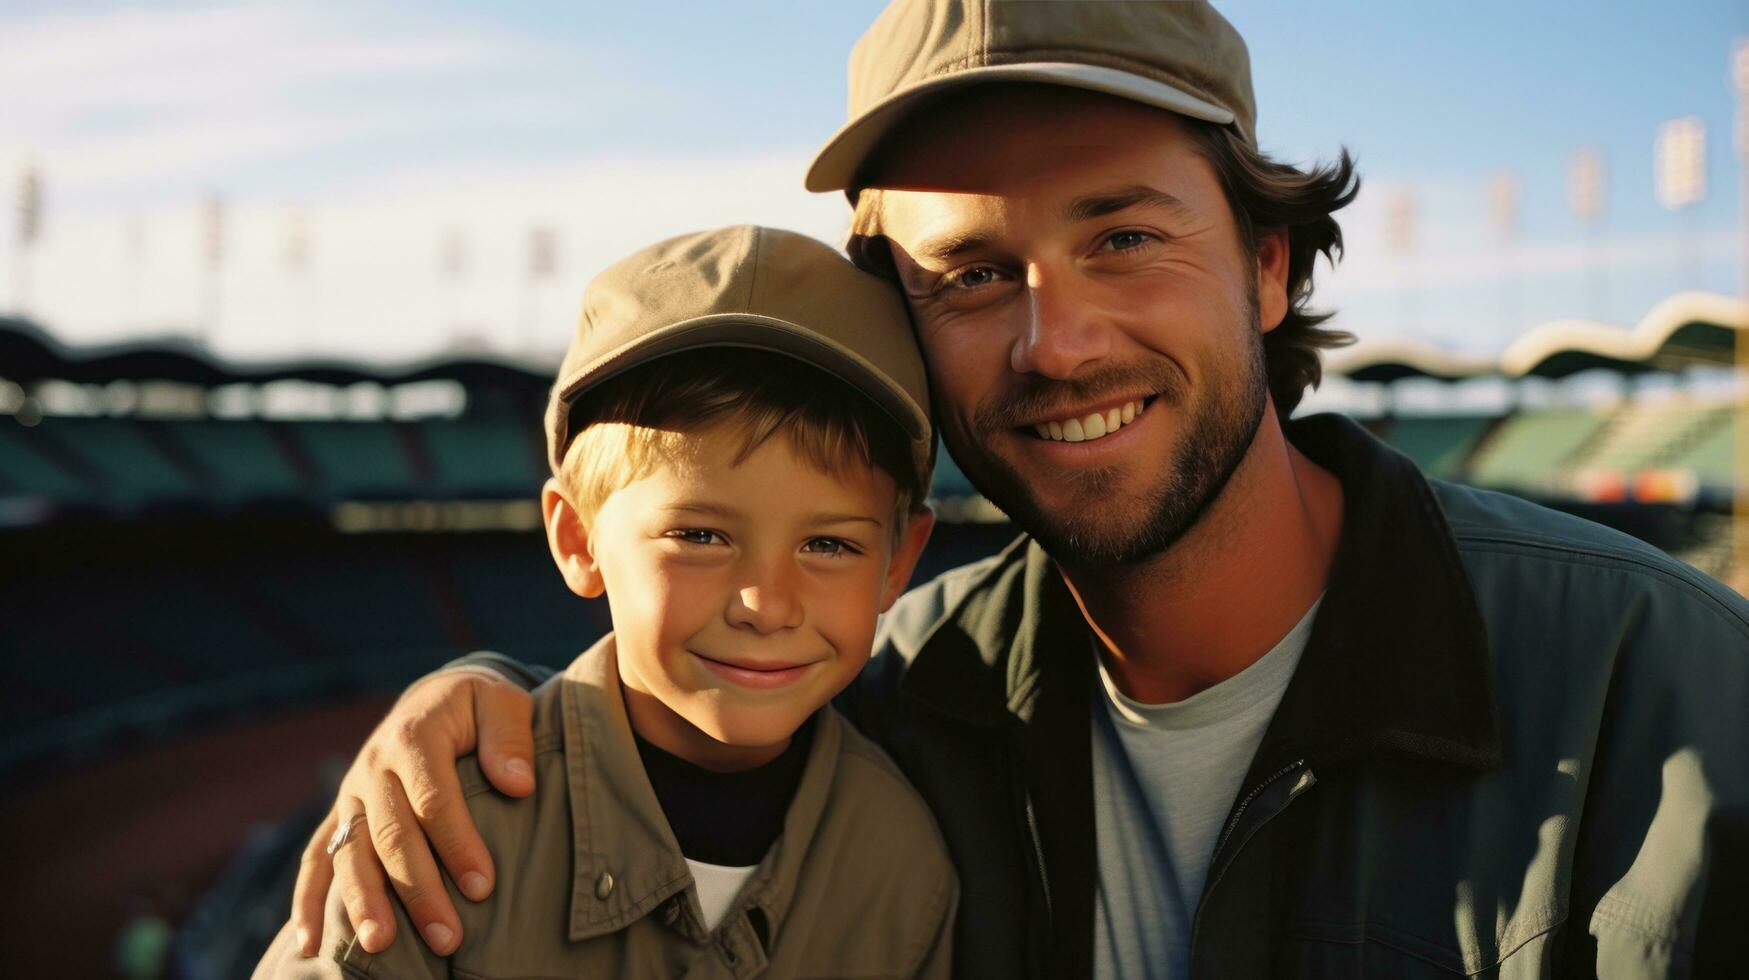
x=656, y=723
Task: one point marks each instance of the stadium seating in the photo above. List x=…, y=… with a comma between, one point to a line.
x=1528, y=451
x=1643, y=435
x=359, y=460
x=1438, y=444
x=241, y=460
x=26, y=468
x=484, y=458
x=124, y=458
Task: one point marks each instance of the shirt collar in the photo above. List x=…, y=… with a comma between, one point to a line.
x=626, y=861
x=1397, y=663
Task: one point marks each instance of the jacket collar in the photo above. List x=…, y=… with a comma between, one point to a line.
x=618, y=828
x=1397, y=664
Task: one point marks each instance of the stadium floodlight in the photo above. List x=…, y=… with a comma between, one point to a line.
x=452, y=256
x=1503, y=205
x=1680, y=161
x=1400, y=223
x=543, y=253
x=213, y=230
x=1585, y=185
x=30, y=206
x=296, y=252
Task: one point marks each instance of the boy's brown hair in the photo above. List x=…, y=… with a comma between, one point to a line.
x=631, y=423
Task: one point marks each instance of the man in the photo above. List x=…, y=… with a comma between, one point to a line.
x=1253, y=698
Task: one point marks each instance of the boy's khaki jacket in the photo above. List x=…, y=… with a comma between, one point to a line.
x=591, y=882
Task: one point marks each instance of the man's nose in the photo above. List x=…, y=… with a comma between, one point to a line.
x=1062, y=332
x=765, y=603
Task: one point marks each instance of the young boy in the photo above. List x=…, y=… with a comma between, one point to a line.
x=740, y=441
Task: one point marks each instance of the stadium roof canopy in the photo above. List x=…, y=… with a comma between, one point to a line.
x=29, y=354
x=1687, y=330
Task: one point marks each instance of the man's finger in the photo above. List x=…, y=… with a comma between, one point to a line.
x=434, y=793
x=504, y=717
x=406, y=860
x=310, y=895
x=363, y=888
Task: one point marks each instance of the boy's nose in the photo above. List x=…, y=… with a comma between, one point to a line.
x=764, y=609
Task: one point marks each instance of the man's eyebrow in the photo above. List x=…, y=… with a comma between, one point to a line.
x=948, y=246
x=1111, y=202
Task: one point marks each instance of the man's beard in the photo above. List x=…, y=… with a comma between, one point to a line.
x=1214, y=437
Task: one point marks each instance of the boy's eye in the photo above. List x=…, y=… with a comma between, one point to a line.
x=829, y=546
x=693, y=535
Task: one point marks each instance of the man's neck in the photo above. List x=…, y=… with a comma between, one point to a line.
x=1226, y=592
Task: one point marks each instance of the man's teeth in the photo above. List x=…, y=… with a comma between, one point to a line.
x=1093, y=426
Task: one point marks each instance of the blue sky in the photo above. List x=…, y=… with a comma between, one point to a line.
x=384, y=129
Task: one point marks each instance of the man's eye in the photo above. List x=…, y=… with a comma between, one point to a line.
x=976, y=276
x=695, y=536
x=1125, y=241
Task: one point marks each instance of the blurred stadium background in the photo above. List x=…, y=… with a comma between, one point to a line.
x=269, y=403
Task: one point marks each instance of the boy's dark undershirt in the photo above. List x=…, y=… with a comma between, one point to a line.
x=727, y=818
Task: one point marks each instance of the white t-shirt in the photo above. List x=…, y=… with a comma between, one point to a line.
x=1164, y=778
x=717, y=886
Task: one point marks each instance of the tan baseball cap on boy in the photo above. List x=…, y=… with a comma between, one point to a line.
x=753, y=287
x=1180, y=55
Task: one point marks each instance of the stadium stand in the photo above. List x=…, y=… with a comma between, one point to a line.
x=193, y=577
x=1439, y=445
x=1527, y=452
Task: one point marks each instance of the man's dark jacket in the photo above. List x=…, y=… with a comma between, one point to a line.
x=1516, y=745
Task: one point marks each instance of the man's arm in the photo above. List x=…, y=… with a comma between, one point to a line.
x=404, y=783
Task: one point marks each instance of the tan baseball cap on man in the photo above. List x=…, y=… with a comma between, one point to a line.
x=753, y=287
x=1180, y=55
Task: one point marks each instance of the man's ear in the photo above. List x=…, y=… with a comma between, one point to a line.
x=568, y=540
x=1272, y=262
x=904, y=561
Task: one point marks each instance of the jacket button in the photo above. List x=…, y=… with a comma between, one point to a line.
x=604, y=886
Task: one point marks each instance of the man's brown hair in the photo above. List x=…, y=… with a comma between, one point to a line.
x=1263, y=194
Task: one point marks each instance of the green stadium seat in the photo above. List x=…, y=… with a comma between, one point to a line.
x=241, y=459
x=26, y=470
x=1438, y=444
x=359, y=460
x=133, y=470
x=483, y=458
x=1529, y=450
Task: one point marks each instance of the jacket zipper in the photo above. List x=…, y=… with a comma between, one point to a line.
x=1038, y=856
x=1239, y=811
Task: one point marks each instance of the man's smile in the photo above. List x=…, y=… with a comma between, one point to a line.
x=1095, y=422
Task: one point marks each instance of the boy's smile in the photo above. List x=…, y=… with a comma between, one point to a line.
x=744, y=594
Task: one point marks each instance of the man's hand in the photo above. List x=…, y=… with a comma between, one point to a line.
x=404, y=782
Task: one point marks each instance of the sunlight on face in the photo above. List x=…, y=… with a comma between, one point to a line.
x=744, y=597
x=1087, y=309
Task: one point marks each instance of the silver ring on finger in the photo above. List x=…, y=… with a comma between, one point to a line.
x=343, y=834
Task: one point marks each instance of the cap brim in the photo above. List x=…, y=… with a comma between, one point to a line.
x=836, y=166
x=758, y=333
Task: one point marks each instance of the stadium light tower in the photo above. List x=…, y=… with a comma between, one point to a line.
x=1679, y=161
x=1400, y=221
x=213, y=251
x=1503, y=215
x=30, y=218
x=1586, y=191
x=543, y=263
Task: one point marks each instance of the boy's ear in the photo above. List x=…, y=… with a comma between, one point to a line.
x=917, y=529
x=568, y=540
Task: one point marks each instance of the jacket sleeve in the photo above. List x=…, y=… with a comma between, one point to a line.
x=341, y=958
x=526, y=676
x=937, y=962
x=1665, y=850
